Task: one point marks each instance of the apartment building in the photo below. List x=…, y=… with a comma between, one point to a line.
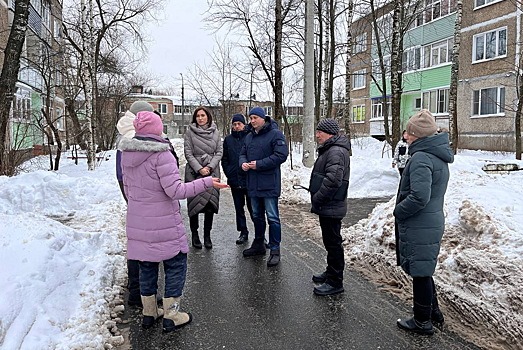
x=488, y=60
x=38, y=88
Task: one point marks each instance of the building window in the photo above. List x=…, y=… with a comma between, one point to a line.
x=162, y=108
x=436, y=101
x=22, y=105
x=490, y=45
x=412, y=59
x=437, y=53
x=360, y=43
x=358, y=114
x=480, y=3
x=377, y=108
x=59, y=119
x=358, y=79
x=489, y=101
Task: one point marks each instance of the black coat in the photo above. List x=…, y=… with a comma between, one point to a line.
x=420, y=220
x=329, y=182
x=232, y=145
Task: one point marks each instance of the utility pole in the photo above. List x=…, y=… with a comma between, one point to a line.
x=308, y=88
x=183, y=106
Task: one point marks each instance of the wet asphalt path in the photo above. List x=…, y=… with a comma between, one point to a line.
x=239, y=303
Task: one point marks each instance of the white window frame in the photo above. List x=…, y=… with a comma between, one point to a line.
x=411, y=60
x=500, y=46
x=438, y=53
x=436, y=101
x=359, y=79
x=359, y=116
x=479, y=95
x=485, y=3
x=377, y=108
x=162, y=108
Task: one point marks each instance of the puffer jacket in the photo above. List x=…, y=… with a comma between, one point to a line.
x=329, y=181
x=232, y=146
x=155, y=229
x=420, y=221
x=202, y=147
x=269, y=149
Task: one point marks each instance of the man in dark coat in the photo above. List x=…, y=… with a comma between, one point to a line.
x=236, y=178
x=328, y=186
x=262, y=154
x=420, y=221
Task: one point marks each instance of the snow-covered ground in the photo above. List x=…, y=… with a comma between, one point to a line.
x=62, y=247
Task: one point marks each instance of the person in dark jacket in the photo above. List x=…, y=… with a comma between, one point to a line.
x=261, y=156
x=420, y=221
x=328, y=186
x=236, y=178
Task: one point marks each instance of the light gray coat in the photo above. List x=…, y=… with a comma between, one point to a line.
x=202, y=147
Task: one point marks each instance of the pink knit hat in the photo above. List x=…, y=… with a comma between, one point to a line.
x=148, y=123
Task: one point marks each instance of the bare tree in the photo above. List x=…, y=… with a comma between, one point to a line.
x=8, y=79
x=454, y=75
x=347, y=112
x=308, y=88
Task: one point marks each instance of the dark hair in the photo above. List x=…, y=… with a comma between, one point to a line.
x=403, y=137
x=201, y=108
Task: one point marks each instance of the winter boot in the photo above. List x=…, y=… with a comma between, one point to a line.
x=196, y=243
x=274, y=258
x=420, y=323
x=173, y=317
x=207, y=239
x=151, y=312
x=257, y=248
x=133, y=283
x=244, y=237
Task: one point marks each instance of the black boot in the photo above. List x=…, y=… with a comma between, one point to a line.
x=420, y=323
x=411, y=325
x=207, y=240
x=257, y=248
x=196, y=243
x=436, y=315
x=244, y=237
x=274, y=258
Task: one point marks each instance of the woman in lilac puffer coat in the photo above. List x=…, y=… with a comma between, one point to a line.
x=155, y=229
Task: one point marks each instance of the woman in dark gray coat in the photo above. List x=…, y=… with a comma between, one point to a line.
x=420, y=221
x=203, y=150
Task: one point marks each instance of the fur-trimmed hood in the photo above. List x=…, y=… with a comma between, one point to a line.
x=142, y=149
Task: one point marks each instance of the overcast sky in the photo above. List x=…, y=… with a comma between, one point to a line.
x=178, y=41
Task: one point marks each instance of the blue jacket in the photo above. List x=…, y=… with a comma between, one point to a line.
x=232, y=145
x=420, y=220
x=269, y=149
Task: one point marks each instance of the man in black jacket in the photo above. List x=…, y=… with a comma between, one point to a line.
x=236, y=178
x=328, y=187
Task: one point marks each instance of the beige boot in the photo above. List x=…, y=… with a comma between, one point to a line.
x=173, y=318
x=151, y=312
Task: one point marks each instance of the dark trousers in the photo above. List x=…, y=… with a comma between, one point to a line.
x=133, y=280
x=423, y=293
x=240, y=198
x=175, y=274
x=331, y=234
x=207, y=222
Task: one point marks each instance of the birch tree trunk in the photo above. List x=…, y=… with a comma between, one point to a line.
x=87, y=80
x=396, y=85
x=8, y=79
x=347, y=110
x=308, y=88
x=454, y=75
x=278, y=83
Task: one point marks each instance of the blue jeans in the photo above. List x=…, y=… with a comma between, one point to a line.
x=240, y=198
x=175, y=273
x=269, y=206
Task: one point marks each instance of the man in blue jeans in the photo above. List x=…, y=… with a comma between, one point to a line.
x=262, y=154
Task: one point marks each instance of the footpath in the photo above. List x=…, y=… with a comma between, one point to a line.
x=239, y=303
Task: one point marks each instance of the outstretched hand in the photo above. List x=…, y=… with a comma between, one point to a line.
x=217, y=184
